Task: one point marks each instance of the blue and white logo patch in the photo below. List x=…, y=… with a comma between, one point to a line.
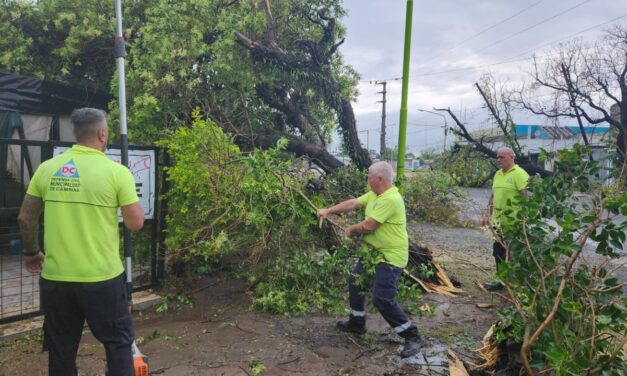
x=68, y=170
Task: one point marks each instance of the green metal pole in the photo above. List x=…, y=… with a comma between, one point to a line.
x=402, y=130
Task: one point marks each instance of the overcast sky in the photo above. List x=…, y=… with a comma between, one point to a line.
x=453, y=43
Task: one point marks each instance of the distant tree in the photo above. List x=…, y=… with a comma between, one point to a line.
x=428, y=155
x=585, y=82
x=500, y=107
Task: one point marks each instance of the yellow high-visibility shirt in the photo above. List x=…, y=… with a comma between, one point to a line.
x=82, y=190
x=390, y=238
x=506, y=187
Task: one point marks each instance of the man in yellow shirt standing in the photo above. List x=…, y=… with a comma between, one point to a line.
x=82, y=277
x=385, y=230
x=508, y=183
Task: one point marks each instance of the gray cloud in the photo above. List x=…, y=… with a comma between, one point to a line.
x=374, y=47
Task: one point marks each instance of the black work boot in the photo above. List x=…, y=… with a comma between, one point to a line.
x=494, y=286
x=413, y=342
x=411, y=347
x=356, y=325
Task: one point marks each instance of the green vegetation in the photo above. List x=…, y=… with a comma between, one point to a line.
x=568, y=315
x=174, y=302
x=256, y=367
x=428, y=197
x=286, y=93
x=305, y=282
x=466, y=166
x=257, y=215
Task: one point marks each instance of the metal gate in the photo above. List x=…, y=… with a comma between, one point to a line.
x=19, y=289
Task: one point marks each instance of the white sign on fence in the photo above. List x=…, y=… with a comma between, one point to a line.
x=142, y=165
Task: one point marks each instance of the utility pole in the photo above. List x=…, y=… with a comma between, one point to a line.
x=382, y=148
x=402, y=123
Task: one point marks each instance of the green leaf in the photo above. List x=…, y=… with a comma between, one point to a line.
x=557, y=356
x=571, y=306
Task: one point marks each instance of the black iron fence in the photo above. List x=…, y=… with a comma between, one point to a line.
x=19, y=289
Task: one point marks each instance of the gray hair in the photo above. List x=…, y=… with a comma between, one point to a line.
x=86, y=122
x=508, y=150
x=382, y=169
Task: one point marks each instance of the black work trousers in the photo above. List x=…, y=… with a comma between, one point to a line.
x=499, y=253
x=104, y=305
x=384, y=292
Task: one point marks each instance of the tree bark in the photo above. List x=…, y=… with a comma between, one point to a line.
x=317, y=61
x=318, y=154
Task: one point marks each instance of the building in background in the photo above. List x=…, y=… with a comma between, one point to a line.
x=533, y=138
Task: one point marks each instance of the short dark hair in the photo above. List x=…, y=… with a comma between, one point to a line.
x=86, y=122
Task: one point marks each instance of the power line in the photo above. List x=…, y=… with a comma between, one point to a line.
x=484, y=30
x=469, y=68
x=384, y=79
x=513, y=59
x=570, y=36
x=533, y=26
x=424, y=125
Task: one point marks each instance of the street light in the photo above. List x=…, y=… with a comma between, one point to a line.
x=445, y=124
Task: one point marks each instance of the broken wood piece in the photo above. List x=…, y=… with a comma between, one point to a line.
x=484, y=305
x=489, y=352
x=456, y=365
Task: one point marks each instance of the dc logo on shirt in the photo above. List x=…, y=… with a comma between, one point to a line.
x=509, y=180
x=68, y=170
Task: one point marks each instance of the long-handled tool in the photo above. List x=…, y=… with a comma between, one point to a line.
x=139, y=360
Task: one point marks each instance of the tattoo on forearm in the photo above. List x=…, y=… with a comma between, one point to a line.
x=29, y=222
x=30, y=236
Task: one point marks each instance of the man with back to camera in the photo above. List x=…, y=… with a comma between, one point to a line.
x=384, y=229
x=508, y=183
x=82, y=276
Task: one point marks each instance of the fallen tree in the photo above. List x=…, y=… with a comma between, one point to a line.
x=258, y=80
x=313, y=59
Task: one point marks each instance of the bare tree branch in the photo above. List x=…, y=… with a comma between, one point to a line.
x=522, y=160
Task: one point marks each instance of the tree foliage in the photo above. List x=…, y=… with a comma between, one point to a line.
x=226, y=204
x=184, y=55
x=60, y=40
x=466, y=166
x=223, y=201
x=568, y=311
x=428, y=197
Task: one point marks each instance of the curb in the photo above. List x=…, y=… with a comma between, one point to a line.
x=142, y=300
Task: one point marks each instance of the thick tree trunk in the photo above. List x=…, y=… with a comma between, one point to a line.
x=343, y=107
x=318, y=154
x=360, y=157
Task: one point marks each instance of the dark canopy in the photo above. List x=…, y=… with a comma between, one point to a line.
x=26, y=94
